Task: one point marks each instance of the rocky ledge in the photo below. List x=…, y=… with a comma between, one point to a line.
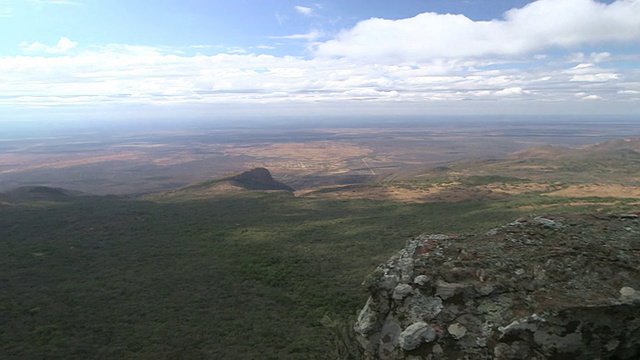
x=553, y=287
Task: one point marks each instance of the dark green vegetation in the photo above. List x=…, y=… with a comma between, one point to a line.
x=246, y=276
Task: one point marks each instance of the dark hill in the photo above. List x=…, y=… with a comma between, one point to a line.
x=257, y=179
x=39, y=193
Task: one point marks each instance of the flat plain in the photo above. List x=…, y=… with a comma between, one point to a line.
x=132, y=159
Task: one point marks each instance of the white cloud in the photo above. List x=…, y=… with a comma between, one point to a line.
x=281, y=19
x=582, y=68
x=201, y=46
x=600, y=57
x=512, y=91
x=56, y=2
x=575, y=57
x=236, y=50
x=592, y=97
x=6, y=9
x=593, y=57
x=63, y=45
x=117, y=69
x=537, y=26
x=589, y=72
x=125, y=75
x=312, y=35
x=602, y=77
x=306, y=11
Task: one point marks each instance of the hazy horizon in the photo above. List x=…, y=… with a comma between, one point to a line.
x=33, y=127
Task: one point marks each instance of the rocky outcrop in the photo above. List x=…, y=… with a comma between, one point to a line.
x=555, y=287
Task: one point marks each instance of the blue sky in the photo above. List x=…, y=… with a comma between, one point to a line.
x=210, y=59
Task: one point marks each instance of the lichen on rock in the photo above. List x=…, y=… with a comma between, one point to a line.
x=553, y=287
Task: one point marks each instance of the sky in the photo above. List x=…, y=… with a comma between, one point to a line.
x=210, y=59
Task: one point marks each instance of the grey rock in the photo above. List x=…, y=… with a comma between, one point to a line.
x=401, y=291
x=422, y=280
x=390, y=335
x=484, y=289
x=415, y=335
x=629, y=295
x=422, y=307
x=447, y=290
x=457, y=331
x=389, y=282
x=367, y=319
x=548, y=223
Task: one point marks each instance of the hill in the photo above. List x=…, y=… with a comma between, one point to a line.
x=38, y=194
x=257, y=179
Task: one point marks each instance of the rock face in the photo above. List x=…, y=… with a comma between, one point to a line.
x=555, y=287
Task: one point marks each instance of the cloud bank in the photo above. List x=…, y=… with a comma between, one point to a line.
x=63, y=45
x=148, y=75
x=538, y=26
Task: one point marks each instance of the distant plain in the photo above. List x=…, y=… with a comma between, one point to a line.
x=145, y=157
